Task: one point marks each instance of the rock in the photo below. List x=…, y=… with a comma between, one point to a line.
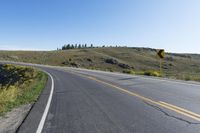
x=115, y=62
x=125, y=66
x=88, y=59
x=73, y=64
x=111, y=61
x=65, y=63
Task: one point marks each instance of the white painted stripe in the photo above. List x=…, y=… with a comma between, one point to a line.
x=42, y=121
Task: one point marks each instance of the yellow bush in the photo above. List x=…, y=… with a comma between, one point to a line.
x=7, y=95
x=129, y=71
x=152, y=73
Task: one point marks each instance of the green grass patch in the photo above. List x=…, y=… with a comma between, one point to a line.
x=24, y=86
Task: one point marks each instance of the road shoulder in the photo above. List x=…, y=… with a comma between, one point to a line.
x=31, y=122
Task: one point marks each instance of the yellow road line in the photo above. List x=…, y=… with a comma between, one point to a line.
x=160, y=103
x=181, y=109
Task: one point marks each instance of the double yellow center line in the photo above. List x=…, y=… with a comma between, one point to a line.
x=168, y=106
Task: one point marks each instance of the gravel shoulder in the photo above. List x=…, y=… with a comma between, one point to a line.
x=13, y=119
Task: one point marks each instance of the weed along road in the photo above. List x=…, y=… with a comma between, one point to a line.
x=88, y=101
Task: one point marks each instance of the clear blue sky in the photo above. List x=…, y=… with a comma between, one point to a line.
x=47, y=24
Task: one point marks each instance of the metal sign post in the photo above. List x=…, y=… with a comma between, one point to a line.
x=160, y=66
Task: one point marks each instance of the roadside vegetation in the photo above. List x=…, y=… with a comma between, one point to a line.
x=19, y=85
x=142, y=61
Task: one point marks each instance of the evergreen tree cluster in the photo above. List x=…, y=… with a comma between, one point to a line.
x=80, y=46
x=75, y=46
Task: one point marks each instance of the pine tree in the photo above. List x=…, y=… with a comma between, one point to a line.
x=68, y=46
x=79, y=46
x=72, y=46
x=91, y=46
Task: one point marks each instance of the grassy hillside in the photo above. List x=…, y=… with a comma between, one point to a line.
x=129, y=60
x=19, y=85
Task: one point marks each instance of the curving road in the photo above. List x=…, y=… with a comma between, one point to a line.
x=86, y=101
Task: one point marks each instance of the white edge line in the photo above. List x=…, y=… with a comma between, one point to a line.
x=42, y=121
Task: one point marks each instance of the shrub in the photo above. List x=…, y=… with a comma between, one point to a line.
x=152, y=73
x=129, y=71
x=19, y=85
x=187, y=78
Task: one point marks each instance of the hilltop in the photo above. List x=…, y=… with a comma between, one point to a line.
x=119, y=59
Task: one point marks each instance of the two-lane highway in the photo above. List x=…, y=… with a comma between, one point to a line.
x=100, y=102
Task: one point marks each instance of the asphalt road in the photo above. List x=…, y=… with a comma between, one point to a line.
x=87, y=101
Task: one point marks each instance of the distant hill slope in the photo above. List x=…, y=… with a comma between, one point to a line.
x=182, y=66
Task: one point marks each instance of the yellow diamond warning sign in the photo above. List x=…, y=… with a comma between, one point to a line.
x=161, y=53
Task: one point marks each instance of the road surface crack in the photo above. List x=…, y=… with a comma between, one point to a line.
x=167, y=114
